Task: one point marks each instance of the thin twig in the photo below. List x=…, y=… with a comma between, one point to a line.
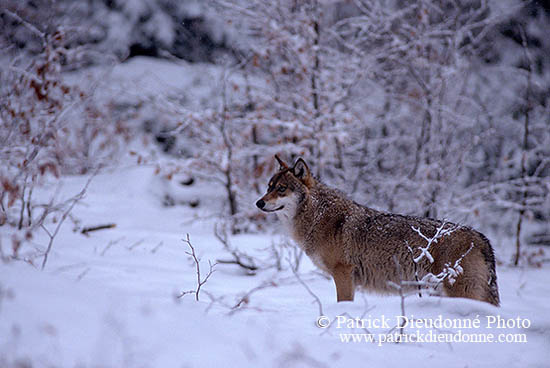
x=136, y=244
x=200, y=282
x=399, y=288
x=30, y=26
x=245, y=299
x=243, y=260
x=415, y=268
x=111, y=243
x=157, y=247
x=238, y=262
x=315, y=297
x=74, y=200
x=82, y=274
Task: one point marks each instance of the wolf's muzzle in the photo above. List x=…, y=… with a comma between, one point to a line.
x=260, y=204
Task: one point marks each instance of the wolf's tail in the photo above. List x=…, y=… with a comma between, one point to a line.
x=489, y=257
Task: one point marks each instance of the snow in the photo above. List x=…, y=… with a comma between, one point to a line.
x=101, y=305
x=143, y=77
x=450, y=138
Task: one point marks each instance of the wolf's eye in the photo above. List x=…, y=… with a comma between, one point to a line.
x=281, y=188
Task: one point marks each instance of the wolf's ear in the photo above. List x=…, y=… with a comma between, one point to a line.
x=282, y=164
x=301, y=171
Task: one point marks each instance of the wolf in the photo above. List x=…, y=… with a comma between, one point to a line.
x=363, y=247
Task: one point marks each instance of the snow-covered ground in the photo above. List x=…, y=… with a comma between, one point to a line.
x=109, y=299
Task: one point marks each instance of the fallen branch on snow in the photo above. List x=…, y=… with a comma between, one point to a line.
x=89, y=229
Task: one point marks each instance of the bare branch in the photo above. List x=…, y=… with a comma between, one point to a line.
x=245, y=299
x=73, y=202
x=109, y=245
x=315, y=297
x=87, y=230
x=29, y=26
x=242, y=260
x=200, y=282
x=440, y=232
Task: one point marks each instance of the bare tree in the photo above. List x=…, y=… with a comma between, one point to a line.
x=48, y=127
x=390, y=100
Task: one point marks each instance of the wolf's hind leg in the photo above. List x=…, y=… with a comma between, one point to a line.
x=343, y=279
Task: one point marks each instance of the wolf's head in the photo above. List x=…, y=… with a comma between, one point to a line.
x=287, y=187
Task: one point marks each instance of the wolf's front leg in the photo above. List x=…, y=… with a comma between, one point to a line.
x=342, y=275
